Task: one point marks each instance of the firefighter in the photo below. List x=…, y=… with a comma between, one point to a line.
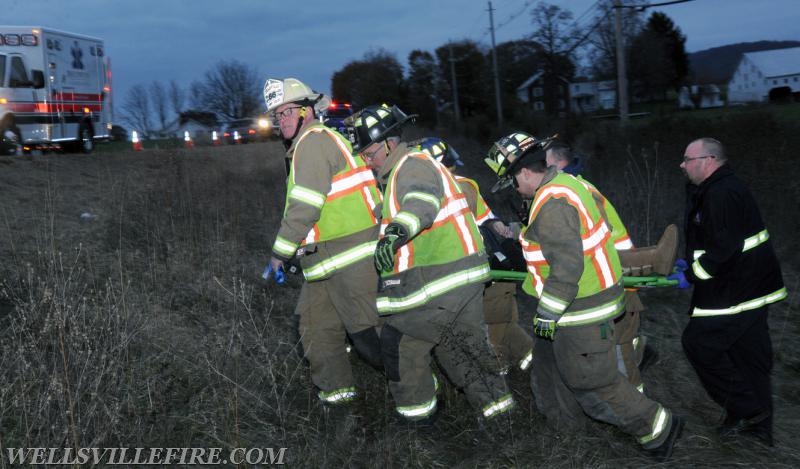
x=736, y=276
x=514, y=346
x=658, y=259
x=432, y=266
x=575, y=273
x=330, y=224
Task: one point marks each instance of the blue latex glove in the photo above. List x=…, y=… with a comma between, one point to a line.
x=680, y=265
x=280, y=276
x=681, y=278
x=394, y=237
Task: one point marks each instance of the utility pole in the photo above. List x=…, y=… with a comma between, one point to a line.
x=496, y=72
x=622, y=74
x=456, y=111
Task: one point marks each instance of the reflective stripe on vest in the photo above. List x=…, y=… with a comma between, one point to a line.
x=327, y=266
x=389, y=305
x=749, y=243
x=482, y=210
x=451, y=215
x=623, y=244
x=657, y=427
x=773, y=297
x=619, y=234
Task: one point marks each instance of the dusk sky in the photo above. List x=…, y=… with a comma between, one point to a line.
x=161, y=40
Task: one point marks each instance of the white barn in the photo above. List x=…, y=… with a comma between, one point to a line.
x=758, y=73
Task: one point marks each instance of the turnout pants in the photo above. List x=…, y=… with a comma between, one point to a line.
x=732, y=356
x=627, y=329
x=577, y=373
x=510, y=341
x=328, y=311
x=451, y=326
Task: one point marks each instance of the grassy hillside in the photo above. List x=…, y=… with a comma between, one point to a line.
x=132, y=312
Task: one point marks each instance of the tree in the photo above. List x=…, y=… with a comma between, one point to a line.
x=558, y=38
x=136, y=109
x=376, y=79
x=472, y=76
x=231, y=90
x=423, y=84
x=176, y=97
x=158, y=96
x=602, y=46
x=658, y=59
x=517, y=60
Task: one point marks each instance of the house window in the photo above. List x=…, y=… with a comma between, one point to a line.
x=795, y=78
x=538, y=91
x=538, y=106
x=774, y=82
x=786, y=80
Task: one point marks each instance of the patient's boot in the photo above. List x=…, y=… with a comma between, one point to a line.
x=650, y=260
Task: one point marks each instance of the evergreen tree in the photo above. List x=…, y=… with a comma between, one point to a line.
x=658, y=59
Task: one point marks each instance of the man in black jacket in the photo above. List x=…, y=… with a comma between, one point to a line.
x=736, y=275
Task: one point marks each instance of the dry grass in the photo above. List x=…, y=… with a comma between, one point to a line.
x=149, y=326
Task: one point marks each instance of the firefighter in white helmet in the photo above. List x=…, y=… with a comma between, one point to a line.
x=329, y=223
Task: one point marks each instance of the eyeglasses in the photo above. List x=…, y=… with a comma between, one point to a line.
x=286, y=113
x=687, y=159
x=368, y=155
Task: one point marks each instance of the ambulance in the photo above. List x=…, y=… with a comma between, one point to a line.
x=55, y=90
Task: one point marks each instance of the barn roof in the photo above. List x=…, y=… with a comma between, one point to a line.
x=776, y=62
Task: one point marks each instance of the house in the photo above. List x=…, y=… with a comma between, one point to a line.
x=707, y=96
x=767, y=74
x=700, y=97
x=545, y=93
x=590, y=96
x=199, y=124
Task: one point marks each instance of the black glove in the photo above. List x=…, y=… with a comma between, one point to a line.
x=394, y=237
x=544, y=325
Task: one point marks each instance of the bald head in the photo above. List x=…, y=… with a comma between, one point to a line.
x=701, y=158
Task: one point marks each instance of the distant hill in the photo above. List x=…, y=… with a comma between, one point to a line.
x=716, y=65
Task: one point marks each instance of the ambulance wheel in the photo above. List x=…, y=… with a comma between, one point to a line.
x=86, y=138
x=8, y=144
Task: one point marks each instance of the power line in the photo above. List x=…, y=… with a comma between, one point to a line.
x=651, y=5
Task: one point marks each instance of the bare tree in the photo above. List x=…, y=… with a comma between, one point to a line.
x=136, y=109
x=158, y=96
x=558, y=37
x=231, y=89
x=176, y=97
x=602, y=40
